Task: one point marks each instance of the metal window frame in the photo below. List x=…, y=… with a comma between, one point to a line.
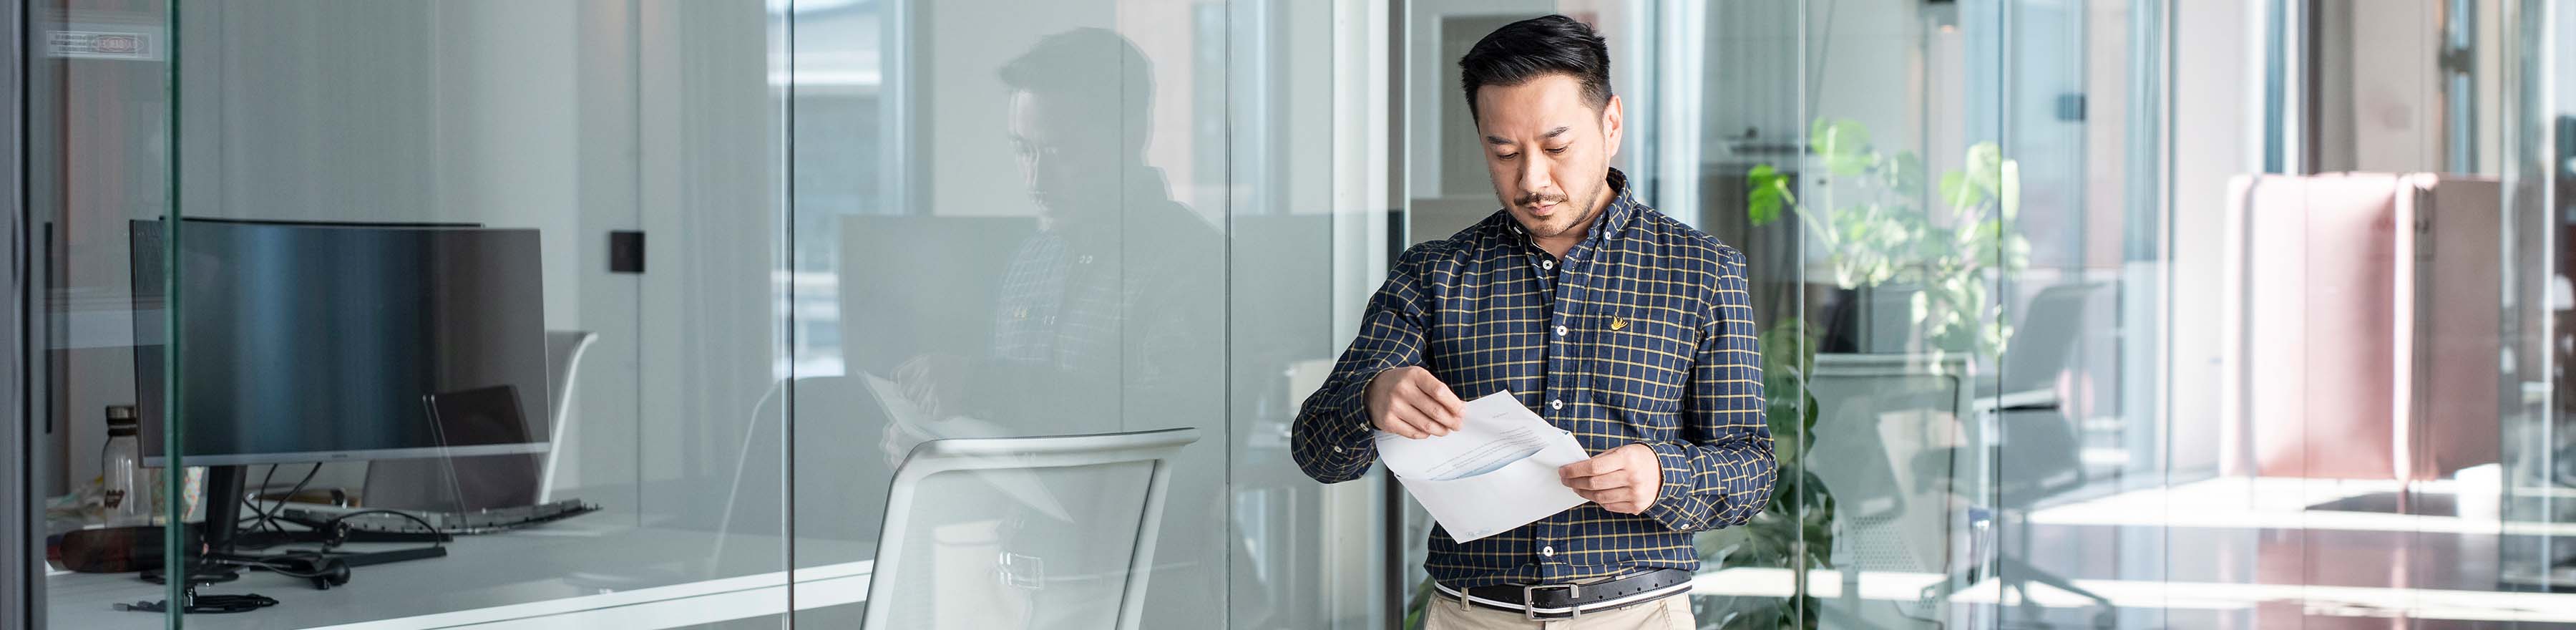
x=20, y=554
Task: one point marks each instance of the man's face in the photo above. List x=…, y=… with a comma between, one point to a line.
x=1064, y=154
x=1548, y=151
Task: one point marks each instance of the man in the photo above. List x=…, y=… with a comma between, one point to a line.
x=1606, y=317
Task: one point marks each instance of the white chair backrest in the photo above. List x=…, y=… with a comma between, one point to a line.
x=563, y=363
x=1033, y=532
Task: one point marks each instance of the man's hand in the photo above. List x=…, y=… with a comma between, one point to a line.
x=1623, y=480
x=1410, y=402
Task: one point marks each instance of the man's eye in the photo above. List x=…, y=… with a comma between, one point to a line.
x=1506, y=156
x=1555, y=151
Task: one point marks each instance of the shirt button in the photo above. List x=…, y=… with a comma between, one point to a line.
x=1560, y=330
x=1337, y=449
x=1556, y=404
x=1547, y=264
x=1547, y=551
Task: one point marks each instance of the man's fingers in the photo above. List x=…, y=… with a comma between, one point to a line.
x=1596, y=482
x=1602, y=464
x=1424, y=416
x=1440, y=391
x=1400, y=420
x=1607, y=497
x=1437, y=401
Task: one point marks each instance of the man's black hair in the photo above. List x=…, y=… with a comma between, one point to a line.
x=1528, y=49
x=1069, y=66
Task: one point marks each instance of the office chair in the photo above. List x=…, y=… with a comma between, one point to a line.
x=965, y=546
x=2042, y=456
x=1882, y=440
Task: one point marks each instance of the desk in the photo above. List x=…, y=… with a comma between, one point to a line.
x=567, y=574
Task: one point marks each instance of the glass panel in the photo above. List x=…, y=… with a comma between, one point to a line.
x=98, y=148
x=2075, y=392
x=2538, y=498
x=1901, y=171
x=395, y=304
x=1749, y=145
x=1309, y=225
x=1011, y=232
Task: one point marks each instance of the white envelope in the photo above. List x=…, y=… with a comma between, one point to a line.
x=1497, y=472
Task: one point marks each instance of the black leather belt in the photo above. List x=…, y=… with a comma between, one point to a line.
x=1567, y=601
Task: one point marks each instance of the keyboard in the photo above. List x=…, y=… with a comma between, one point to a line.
x=475, y=522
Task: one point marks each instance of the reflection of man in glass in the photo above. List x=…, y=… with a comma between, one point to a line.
x=1611, y=320
x=1076, y=318
x=1105, y=319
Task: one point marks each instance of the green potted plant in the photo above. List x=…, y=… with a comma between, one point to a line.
x=1864, y=215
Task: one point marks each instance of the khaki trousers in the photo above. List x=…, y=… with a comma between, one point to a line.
x=1669, y=613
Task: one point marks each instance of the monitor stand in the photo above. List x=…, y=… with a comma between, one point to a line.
x=222, y=536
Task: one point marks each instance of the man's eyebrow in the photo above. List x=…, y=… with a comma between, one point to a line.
x=1551, y=133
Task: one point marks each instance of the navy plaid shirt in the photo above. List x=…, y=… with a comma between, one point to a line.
x=1641, y=334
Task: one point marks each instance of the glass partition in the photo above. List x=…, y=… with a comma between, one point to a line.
x=643, y=307
x=1055, y=221
x=98, y=111
x=996, y=313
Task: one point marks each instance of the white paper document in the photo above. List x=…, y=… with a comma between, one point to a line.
x=1495, y=473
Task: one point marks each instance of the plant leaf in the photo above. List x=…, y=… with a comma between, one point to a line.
x=1905, y=174
x=1842, y=142
x=1985, y=165
x=1767, y=195
x=2008, y=189
x=1957, y=193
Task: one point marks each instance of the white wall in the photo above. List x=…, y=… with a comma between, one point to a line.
x=2216, y=133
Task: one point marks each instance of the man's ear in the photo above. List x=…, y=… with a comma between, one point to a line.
x=1613, y=125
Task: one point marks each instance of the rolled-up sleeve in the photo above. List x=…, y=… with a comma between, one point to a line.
x=1721, y=472
x=1333, y=440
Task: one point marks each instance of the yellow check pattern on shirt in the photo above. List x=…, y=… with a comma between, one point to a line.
x=1641, y=334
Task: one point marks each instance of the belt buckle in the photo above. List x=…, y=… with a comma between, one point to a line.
x=1529, y=600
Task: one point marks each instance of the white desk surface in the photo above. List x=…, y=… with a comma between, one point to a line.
x=567, y=574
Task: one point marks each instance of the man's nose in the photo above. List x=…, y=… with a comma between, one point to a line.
x=1534, y=179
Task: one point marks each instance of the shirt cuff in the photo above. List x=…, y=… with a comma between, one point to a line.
x=1677, y=503
x=1351, y=434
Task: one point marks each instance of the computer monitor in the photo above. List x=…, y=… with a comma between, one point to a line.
x=316, y=342
x=319, y=342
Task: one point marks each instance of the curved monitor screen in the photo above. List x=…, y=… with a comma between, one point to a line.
x=322, y=342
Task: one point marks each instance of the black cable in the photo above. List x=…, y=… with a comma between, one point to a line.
x=248, y=502
x=273, y=565
x=204, y=604
x=434, y=534
x=269, y=518
x=263, y=517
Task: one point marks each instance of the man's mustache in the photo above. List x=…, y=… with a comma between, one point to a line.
x=1534, y=199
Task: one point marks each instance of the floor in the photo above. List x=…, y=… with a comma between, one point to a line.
x=2225, y=553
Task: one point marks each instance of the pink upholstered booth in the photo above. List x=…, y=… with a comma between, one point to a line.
x=2361, y=326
